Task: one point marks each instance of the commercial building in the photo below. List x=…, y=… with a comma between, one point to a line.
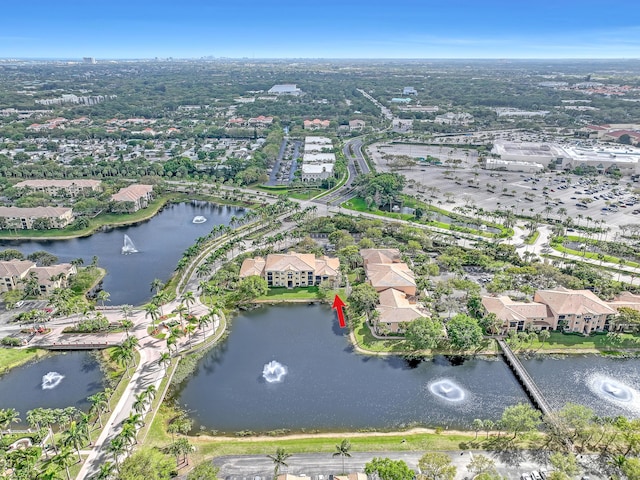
x=318, y=161
x=293, y=269
x=315, y=124
x=316, y=172
x=71, y=188
x=285, y=89
x=39, y=218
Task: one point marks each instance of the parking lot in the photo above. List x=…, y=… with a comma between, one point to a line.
x=555, y=195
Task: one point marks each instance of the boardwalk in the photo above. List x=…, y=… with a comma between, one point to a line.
x=525, y=379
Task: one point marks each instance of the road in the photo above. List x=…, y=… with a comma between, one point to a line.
x=508, y=464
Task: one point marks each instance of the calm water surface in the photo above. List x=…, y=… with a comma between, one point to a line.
x=22, y=388
x=327, y=386
x=160, y=242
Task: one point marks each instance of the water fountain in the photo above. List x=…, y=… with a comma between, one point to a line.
x=614, y=391
x=129, y=246
x=447, y=390
x=199, y=219
x=51, y=380
x=274, y=372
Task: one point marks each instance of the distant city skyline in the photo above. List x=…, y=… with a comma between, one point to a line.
x=522, y=29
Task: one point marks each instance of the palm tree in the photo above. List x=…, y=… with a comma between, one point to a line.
x=342, y=450
x=7, y=417
x=203, y=320
x=76, y=436
x=105, y=472
x=103, y=296
x=153, y=311
x=127, y=325
x=279, y=460
x=180, y=310
x=165, y=360
x=63, y=460
x=189, y=299
x=140, y=402
x=157, y=285
x=117, y=447
x=123, y=356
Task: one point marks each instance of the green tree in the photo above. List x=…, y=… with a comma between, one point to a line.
x=481, y=464
x=204, y=471
x=250, y=288
x=520, y=418
x=631, y=468
x=279, y=460
x=342, y=450
x=424, y=333
x=148, y=464
x=363, y=298
x=76, y=436
x=437, y=466
x=464, y=332
x=387, y=469
x=567, y=464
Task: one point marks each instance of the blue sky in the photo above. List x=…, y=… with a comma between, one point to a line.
x=320, y=29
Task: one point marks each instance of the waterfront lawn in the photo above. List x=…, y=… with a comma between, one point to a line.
x=570, y=342
x=14, y=357
x=283, y=294
x=366, y=340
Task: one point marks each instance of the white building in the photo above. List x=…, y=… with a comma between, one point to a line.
x=319, y=157
x=316, y=172
x=285, y=89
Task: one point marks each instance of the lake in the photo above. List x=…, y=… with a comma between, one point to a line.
x=160, y=242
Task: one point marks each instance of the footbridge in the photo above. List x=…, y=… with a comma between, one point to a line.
x=525, y=379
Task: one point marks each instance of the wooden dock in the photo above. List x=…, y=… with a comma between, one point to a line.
x=525, y=379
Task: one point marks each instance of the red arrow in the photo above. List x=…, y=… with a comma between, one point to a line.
x=338, y=304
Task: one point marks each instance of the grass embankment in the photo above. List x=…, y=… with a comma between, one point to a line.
x=359, y=205
x=283, y=294
x=572, y=343
x=14, y=357
x=558, y=245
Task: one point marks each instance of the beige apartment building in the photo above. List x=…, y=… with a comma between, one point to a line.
x=24, y=218
x=71, y=188
x=292, y=270
x=138, y=195
x=13, y=272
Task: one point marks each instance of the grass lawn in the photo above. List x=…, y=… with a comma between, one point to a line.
x=298, y=293
x=561, y=341
x=14, y=357
x=368, y=342
x=531, y=239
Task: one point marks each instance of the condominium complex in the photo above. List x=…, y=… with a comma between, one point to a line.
x=293, y=269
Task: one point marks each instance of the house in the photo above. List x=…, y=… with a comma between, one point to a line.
x=71, y=188
x=394, y=311
x=260, y=121
x=293, y=269
x=391, y=275
x=356, y=125
x=38, y=218
x=138, y=195
x=13, y=272
x=315, y=124
x=409, y=91
x=576, y=310
x=519, y=316
x=53, y=276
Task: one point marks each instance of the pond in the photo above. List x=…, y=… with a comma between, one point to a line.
x=159, y=242
x=610, y=386
x=292, y=367
x=58, y=380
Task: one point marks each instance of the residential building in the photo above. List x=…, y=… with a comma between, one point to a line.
x=53, y=276
x=519, y=316
x=409, y=91
x=576, y=310
x=293, y=269
x=315, y=124
x=260, y=121
x=13, y=272
x=138, y=195
x=37, y=217
x=285, y=89
x=71, y=188
x=395, y=311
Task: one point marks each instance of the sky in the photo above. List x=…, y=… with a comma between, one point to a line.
x=118, y=29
